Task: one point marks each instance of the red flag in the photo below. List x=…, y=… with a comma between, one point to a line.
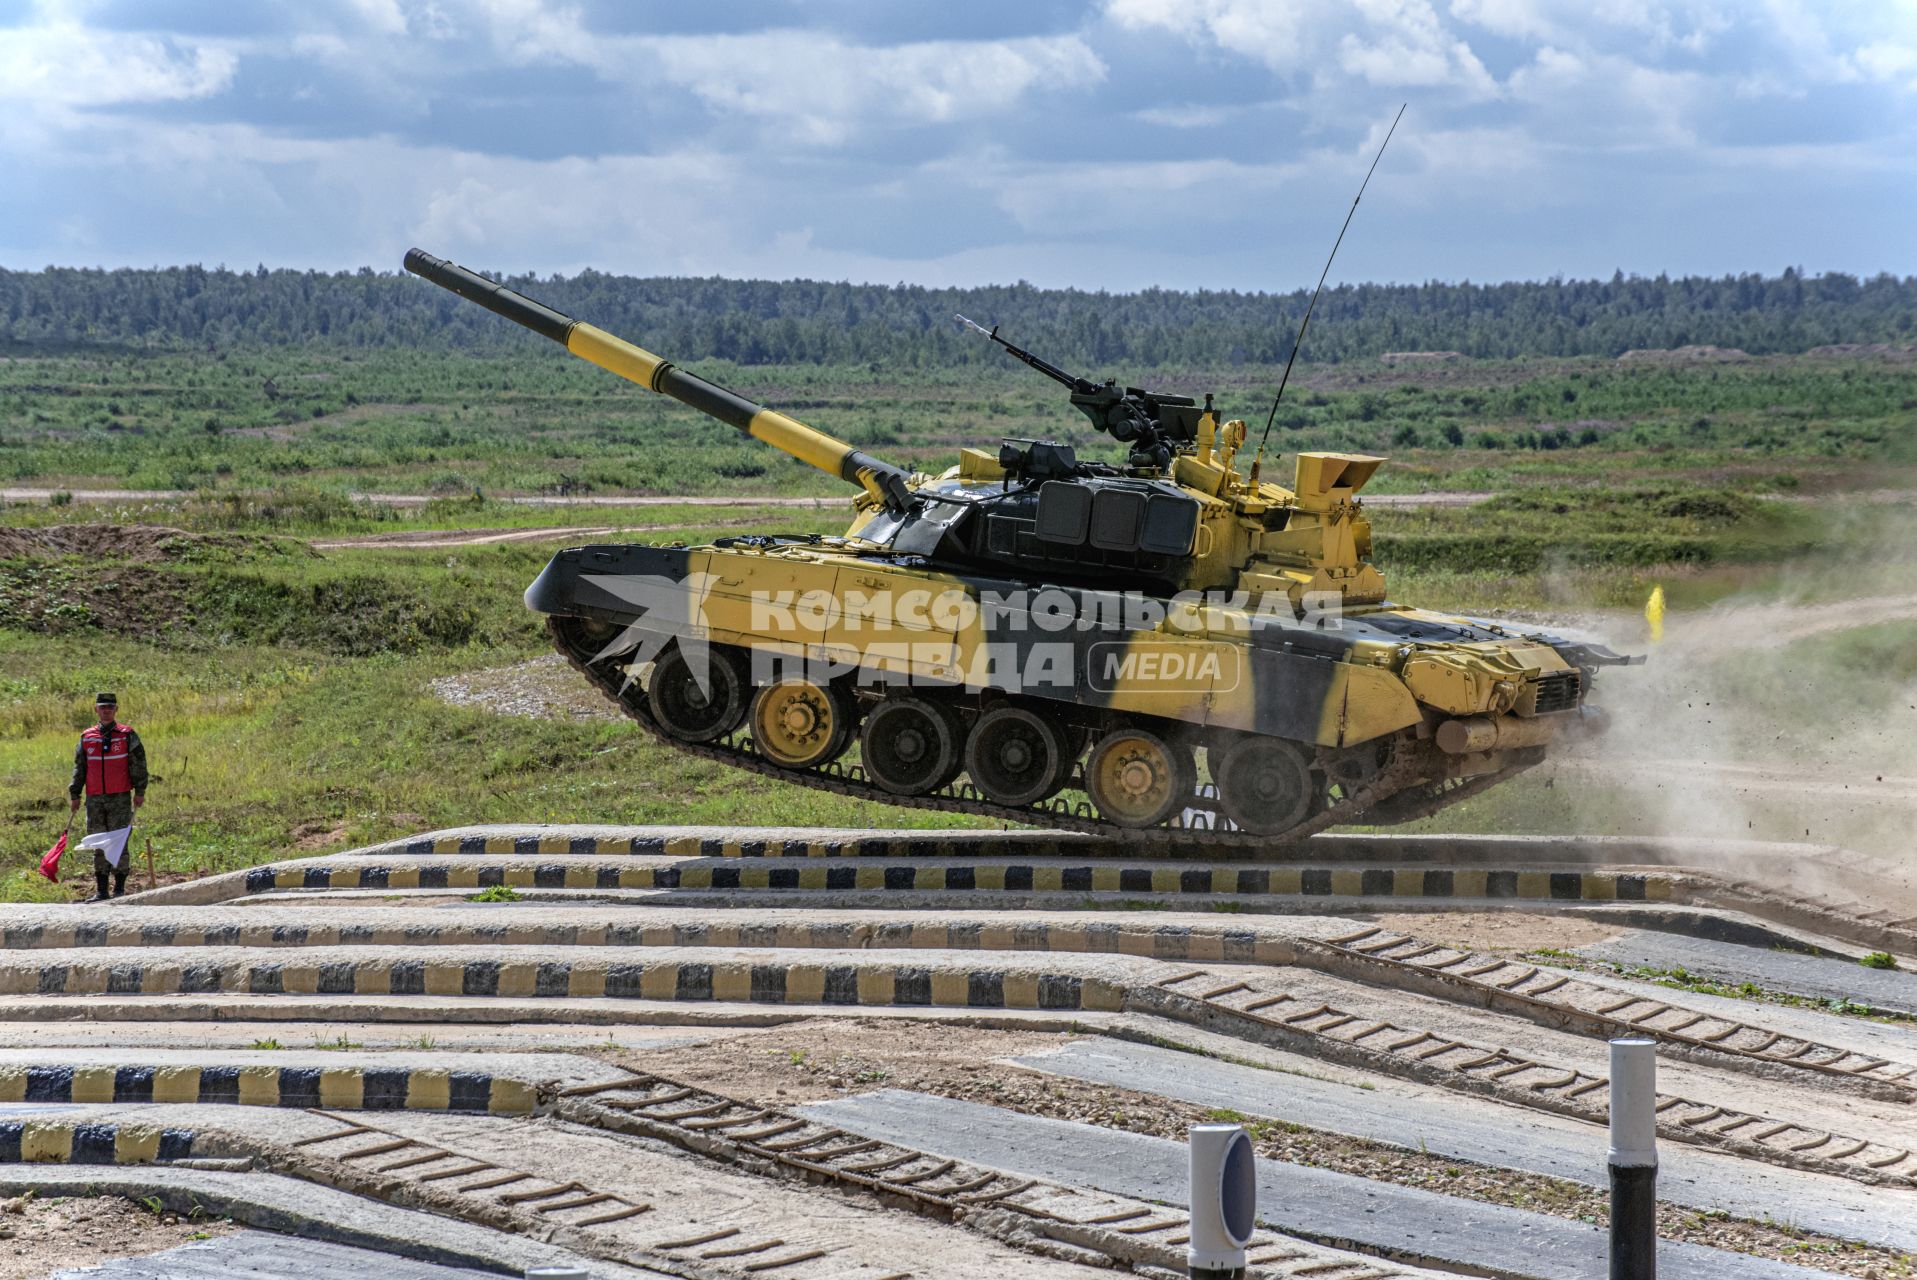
x=50, y=864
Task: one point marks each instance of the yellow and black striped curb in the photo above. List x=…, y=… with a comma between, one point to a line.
x=1007, y=877
x=1094, y=936
x=54, y=1141
x=840, y=845
x=880, y=983
x=347, y=1088
x=829, y=842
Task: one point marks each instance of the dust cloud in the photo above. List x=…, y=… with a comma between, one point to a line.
x=1782, y=715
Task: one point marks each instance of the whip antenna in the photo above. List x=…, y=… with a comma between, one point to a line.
x=1321, y=279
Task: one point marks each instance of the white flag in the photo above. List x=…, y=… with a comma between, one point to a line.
x=111, y=843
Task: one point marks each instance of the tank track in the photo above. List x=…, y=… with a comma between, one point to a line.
x=1415, y=802
x=1200, y=825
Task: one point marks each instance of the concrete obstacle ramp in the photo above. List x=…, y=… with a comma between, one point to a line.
x=262, y=1256
x=1493, y=1135
x=1335, y=1209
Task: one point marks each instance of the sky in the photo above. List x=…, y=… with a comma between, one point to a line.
x=1102, y=144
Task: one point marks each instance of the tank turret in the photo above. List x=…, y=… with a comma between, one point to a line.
x=1245, y=535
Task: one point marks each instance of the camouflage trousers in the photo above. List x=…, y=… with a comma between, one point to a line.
x=109, y=813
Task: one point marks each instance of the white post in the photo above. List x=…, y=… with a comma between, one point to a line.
x=1633, y=1159
x=1224, y=1201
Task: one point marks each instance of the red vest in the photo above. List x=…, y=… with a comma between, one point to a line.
x=106, y=760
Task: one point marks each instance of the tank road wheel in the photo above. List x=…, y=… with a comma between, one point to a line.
x=1265, y=785
x=911, y=745
x=1018, y=756
x=687, y=711
x=798, y=724
x=1137, y=779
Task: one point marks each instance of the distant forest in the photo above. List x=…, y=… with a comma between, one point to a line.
x=801, y=321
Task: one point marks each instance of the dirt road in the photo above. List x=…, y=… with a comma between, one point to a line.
x=427, y=538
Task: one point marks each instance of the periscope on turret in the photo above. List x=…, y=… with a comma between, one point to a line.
x=1206, y=655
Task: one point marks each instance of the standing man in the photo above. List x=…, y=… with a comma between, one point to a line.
x=109, y=767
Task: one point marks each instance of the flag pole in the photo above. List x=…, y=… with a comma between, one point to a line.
x=152, y=881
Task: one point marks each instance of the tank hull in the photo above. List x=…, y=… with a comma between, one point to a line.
x=1201, y=674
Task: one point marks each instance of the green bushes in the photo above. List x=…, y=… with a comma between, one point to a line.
x=352, y=604
x=355, y=614
x=304, y=508
x=1532, y=552
x=1541, y=529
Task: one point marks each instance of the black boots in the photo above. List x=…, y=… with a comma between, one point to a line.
x=100, y=886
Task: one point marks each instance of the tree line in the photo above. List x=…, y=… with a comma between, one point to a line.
x=816, y=322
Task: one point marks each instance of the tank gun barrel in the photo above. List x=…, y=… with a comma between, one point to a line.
x=887, y=483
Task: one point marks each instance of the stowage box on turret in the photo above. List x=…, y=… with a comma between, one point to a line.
x=1026, y=624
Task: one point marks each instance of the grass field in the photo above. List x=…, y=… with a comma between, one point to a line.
x=541, y=422
x=285, y=692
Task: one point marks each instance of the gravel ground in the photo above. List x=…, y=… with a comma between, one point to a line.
x=814, y=1061
x=39, y=1237
x=543, y=689
x=1496, y=931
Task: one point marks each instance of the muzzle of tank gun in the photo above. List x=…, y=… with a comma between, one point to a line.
x=888, y=484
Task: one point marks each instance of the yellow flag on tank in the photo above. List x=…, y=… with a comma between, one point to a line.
x=1654, y=612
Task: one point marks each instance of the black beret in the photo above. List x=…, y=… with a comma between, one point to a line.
x=105, y=700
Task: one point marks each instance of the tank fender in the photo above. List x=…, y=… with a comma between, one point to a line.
x=575, y=583
x=1366, y=703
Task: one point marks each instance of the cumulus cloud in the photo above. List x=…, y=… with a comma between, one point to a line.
x=1604, y=99
x=1889, y=61
x=1512, y=19
x=238, y=193
x=1282, y=36
x=1406, y=44
x=1391, y=43
x=816, y=87
x=383, y=16
x=826, y=88
x=65, y=64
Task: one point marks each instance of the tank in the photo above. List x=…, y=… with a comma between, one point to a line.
x=1169, y=648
